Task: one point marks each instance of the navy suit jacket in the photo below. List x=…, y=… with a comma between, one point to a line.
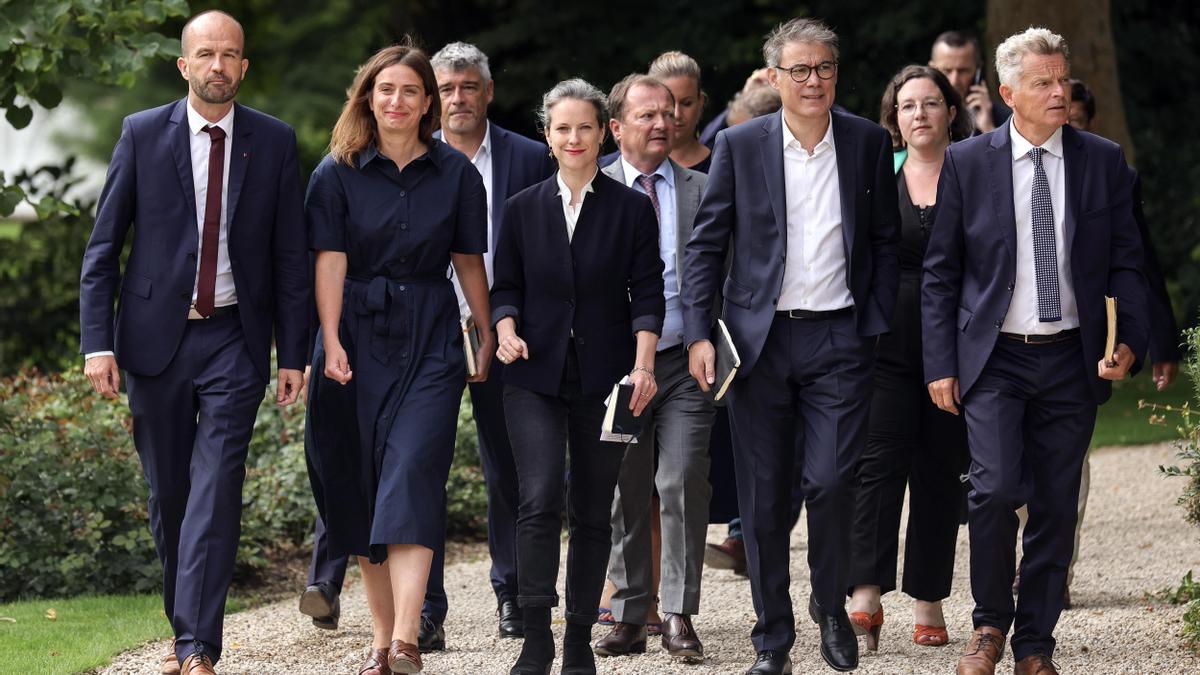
x=149, y=187
x=605, y=284
x=517, y=163
x=970, y=263
x=744, y=207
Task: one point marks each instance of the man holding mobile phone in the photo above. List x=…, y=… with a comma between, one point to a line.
x=958, y=56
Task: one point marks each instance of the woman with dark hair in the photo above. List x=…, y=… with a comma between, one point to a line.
x=909, y=441
x=388, y=209
x=579, y=305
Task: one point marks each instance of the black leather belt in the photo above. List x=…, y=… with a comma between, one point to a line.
x=1060, y=336
x=811, y=314
x=193, y=315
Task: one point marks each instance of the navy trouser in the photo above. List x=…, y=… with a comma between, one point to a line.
x=1030, y=417
x=192, y=425
x=322, y=569
x=808, y=394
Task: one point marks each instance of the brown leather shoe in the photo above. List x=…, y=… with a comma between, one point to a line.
x=1035, y=664
x=727, y=555
x=170, y=662
x=680, y=639
x=982, y=652
x=376, y=663
x=197, y=664
x=622, y=640
x=404, y=657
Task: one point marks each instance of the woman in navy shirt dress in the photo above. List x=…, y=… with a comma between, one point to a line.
x=388, y=210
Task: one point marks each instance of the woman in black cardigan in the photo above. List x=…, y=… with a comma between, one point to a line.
x=578, y=300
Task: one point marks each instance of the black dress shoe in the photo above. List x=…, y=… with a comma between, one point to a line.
x=770, y=662
x=839, y=647
x=323, y=604
x=432, y=636
x=624, y=639
x=512, y=621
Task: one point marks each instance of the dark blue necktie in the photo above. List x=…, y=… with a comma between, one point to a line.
x=1045, y=255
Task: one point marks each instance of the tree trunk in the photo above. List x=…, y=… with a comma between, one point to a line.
x=1087, y=26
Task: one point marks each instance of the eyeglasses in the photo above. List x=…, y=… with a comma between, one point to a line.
x=929, y=105
x=801, y=72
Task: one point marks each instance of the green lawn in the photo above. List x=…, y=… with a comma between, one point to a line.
x=1119, y=421
x=85, y=633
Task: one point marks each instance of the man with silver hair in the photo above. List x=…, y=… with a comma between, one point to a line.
x=1013, y=316
x=508, y=163
x=806, y=201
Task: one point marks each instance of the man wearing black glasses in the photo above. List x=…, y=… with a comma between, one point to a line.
x=806, y=200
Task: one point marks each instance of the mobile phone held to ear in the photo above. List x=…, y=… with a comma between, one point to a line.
x=978, y=76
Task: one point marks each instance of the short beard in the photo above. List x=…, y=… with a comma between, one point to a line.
x=206, y=93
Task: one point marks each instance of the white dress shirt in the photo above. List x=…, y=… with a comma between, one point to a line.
x=225, y=294
x=571, y=212
x=483, y=164
x=814, y=276
x=1022, y=317
x=672, y=331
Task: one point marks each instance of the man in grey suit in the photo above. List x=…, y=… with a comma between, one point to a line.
x=678, y=419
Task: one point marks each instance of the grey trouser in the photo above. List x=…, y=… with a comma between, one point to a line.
x=677, y=425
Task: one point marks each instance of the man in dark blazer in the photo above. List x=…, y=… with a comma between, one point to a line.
x=1035, y=226
x=672, y=453
x=509, y=163
x=217, y=269
x=806, y=199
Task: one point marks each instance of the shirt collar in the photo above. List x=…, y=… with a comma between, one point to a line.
x=565, y=191
x=1021, y=147
x=788, y=137
x=433, y=154
x=486, y=146
x=196, y=121
x=631, y=173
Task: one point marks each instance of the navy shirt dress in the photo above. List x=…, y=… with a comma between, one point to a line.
x=379, y=448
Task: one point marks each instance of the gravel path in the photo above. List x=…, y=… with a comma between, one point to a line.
x=1135, y=543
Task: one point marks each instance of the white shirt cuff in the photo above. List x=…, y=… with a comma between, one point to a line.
x=93, y=354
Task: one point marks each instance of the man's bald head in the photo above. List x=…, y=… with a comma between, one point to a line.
x=211, y=23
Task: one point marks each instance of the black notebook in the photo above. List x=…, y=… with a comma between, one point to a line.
x=471, y=341
x=619, y=423
x=727, y=362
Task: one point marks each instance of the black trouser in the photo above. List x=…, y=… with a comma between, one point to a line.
x=323, y=569
x=909, y=441
x=1029, y=418
x=807, y=394
x=539, y=426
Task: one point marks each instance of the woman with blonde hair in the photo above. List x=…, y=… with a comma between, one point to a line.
x=681, y=74
x=388, y=210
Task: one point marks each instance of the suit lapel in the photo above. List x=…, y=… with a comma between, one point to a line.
x=1075, y=164
x=771, y=149
x=846, y=149
x=999, y=161
x=687, y=202
x=501, y=161
x=181, y=148
x=239, y=159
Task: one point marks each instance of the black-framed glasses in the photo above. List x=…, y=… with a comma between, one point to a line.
x=802, y=71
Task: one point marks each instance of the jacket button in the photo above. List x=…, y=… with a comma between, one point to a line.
x=404, y=226
x=185, y=296
x=191, y=256
x=774, y=301
x=1010, y=286
x=579, y=341
x=998, y=324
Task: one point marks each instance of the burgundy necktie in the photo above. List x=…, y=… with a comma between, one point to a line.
x=647, y=183
x=206, y=285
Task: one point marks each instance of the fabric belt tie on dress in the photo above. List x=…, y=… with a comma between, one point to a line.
x=376, y=300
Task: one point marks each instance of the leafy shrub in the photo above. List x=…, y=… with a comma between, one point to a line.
x=39, y=272
x=73, y=499
x=1188, y=453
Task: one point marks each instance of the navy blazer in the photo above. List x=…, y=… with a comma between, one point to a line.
x=605, y=284
x=150, y=187
x=970, y=263
x=745, y=201
x=517, y=163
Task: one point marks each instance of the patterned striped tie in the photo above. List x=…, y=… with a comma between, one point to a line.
x=647, y=183
x=1045, y=256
